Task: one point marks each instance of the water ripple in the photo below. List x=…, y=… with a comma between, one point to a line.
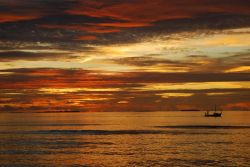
x=203, y=127
x=120, y=132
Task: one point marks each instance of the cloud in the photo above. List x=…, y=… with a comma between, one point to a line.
x=27, y=79
x=15, y=10
x=115, y=21
x=89, y=37
x=84, y=90
x=238, y=106
x=193, y=63
x=151, y=11
x=176, y=54
x=34, y=100
x=6, y=56
x=86, y=28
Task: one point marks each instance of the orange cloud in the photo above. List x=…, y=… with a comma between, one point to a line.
x=149, y=11
x=124, y=25
x=238, y=106
x=66, y=90
x=55, y=78
x=59, y=78
x=86, y=38
x=5, y=17
x=90, y=28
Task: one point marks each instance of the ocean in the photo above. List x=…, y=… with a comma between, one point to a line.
x=124, y=139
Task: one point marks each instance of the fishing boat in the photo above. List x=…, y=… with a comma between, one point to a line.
x=214, y=114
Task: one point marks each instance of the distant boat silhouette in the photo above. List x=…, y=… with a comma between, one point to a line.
x=214, y=114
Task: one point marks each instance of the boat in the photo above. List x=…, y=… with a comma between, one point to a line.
x=214, y=114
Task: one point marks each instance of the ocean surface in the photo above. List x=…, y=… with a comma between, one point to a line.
x=124, y=139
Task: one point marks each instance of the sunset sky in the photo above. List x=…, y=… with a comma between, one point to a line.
x=124, y=55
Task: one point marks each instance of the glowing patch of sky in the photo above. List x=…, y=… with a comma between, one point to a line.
x=72, y=90
x=220, y=93
x=90, y=65
x=163, y=68
x=195, y=86
x=168, y=95
x=214, y=45
x=239, y=69
x=177, y=47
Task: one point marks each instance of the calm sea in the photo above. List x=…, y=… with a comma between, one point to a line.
x=124, y=139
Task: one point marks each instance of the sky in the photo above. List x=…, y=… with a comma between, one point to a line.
x=124, y=55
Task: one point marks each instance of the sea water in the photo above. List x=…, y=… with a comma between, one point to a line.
x=124, y=139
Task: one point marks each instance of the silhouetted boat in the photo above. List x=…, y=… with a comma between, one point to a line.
x=214, y=114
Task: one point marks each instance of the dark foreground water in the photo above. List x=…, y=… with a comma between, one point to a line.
x=124, y=139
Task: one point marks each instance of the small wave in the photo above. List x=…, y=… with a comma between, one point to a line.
x=99, y=132
x=117, y=132
x=49, y=124
x=203, y=127
x=32, y=152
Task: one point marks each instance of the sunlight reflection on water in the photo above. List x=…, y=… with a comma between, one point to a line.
x=124, y=139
